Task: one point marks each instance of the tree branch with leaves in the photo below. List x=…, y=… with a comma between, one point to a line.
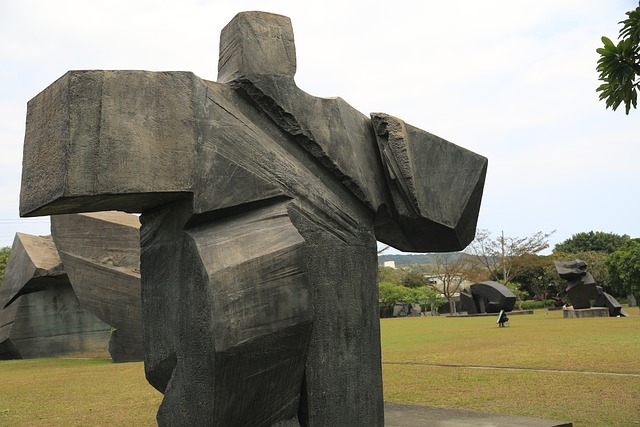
x=450, y=269
x=504, y=257
x=619, y=65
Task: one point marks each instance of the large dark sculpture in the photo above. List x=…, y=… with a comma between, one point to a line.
x=261, y=206
x=487, y=297
x=101, y=255
x=581, y=287
x=582, y=290
x=90, y=263
x=40, y=315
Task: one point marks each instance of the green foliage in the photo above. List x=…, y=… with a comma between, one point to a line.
x=619, y=65
x=521, y=295
x=4, y=258
x=624, y=268
x=592, y=241
x=391, y=275
x=389, y=293
x=536, y=305
x=429, y=299
x=415, y=280
x=537, y=275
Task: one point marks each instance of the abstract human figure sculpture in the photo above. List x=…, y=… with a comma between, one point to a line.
x=260, y=208
x=583, y=291
x=581, y=287
x=487, y=297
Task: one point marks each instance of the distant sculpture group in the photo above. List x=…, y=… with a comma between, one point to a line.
x=260, y=209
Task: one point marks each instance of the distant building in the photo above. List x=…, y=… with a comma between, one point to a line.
x=391, y=264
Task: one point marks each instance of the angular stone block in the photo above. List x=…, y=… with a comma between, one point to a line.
x=40, y=315
x=101, y=255
x=607, y=300
x=412, y=158
x=487, y=297
x=467, y=301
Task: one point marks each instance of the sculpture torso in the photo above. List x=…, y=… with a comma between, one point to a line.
x=260, y=206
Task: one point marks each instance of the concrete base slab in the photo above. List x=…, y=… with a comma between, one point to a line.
x=586, y=312
x=401, y=415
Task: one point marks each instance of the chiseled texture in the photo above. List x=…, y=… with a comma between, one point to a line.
x=101, y=255
x=261, y=206
x=40, y=315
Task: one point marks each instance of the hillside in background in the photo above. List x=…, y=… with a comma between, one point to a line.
x=404, y=259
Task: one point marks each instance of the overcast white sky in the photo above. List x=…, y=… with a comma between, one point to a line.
x=512, y=80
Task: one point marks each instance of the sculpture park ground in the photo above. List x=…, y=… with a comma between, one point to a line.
x=580, y=370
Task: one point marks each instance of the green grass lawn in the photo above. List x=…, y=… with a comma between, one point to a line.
x=75, y=392
x=412, y=349
x=427, y=360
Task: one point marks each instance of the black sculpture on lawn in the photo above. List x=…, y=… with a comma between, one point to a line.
x=487, y=297
x=582, y=290
x=260, y=209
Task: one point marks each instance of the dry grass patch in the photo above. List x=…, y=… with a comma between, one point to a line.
x=75, y=392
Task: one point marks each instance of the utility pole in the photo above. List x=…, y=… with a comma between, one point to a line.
x=504, y=264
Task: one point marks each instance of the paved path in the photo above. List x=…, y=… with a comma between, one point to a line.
x=511, y=368
x=400, y=415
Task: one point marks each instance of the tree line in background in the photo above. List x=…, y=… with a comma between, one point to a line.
x=432, y=280
x=613, y=260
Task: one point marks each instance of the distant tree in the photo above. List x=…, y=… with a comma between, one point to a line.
x=619, y=65
x=538, y=276
x=390, y=293
x=502, y=257
x=519, y=292
x=624, y=269
x=475, y=272
x=4, y=258
x=450, y=269
x=592, y=241
x=415, y=279
x=391, y=275
x=429, y=297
